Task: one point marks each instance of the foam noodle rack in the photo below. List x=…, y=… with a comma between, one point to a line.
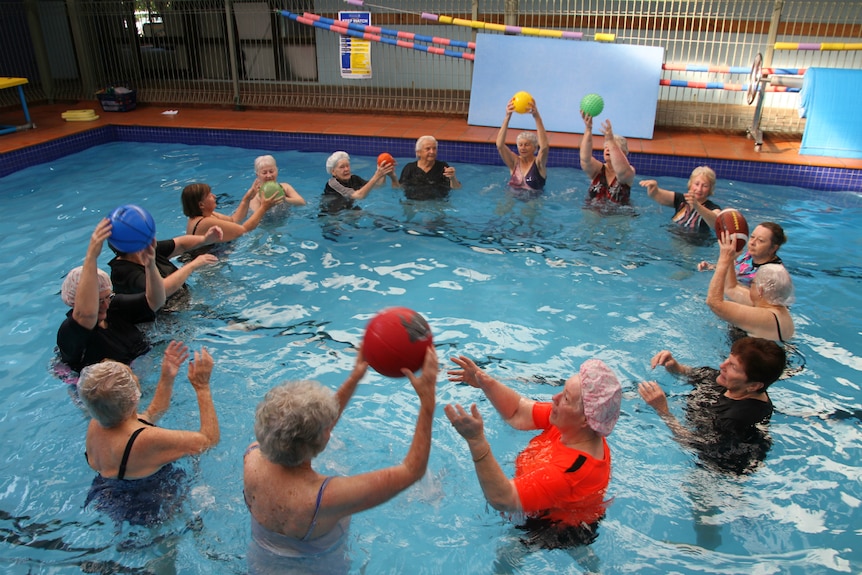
x=348, y=31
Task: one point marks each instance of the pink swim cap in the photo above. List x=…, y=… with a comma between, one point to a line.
x=602, y=395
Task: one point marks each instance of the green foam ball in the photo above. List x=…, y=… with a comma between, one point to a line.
x=271, y=189
x=592, y=104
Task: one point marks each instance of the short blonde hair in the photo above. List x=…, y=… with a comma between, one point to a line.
x=706, y=173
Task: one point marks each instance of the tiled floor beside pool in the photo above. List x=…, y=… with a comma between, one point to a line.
x=670, y=152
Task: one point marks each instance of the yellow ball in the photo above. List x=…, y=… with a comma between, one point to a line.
x=522, y=102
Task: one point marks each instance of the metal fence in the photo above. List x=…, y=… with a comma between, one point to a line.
x=264, y=54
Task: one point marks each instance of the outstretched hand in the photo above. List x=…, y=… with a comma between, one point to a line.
x=665, y=359
x=607, y=130
x=469, y=372
x=200, y=369
x=650, y=185
x=654, y=396
x=470, y=425
x=426, y=383
x=213, y=235
x=175, y=355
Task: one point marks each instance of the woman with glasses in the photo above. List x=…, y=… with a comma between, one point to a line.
x=101, y=324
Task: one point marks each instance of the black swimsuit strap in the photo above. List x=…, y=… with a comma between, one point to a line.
x=128, y=450
x=194, y=229
x=777, y=326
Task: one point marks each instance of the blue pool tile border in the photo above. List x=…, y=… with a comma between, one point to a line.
x=812, y=177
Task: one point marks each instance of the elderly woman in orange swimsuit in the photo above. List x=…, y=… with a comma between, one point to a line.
x=529, y=166
x=299, y=516
x=199, y=205
x=562, y=475
x=761, y=310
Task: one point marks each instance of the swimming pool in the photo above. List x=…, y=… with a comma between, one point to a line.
x=530, y=289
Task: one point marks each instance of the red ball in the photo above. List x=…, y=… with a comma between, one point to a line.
x=396, y=337
x=385, y=158
x=732, y=222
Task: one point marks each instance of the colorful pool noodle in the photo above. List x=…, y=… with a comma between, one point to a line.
x=390, y=32
x=731, y=69
x=548, y=33
x=822, y=46
x=721, y=86
x=502, y=28
x=374, y=38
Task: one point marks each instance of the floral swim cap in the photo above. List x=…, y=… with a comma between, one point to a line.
x=601, y=394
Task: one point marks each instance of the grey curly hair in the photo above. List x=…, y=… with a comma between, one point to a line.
x=530, y=137
x=110, y=391
x=292, y=421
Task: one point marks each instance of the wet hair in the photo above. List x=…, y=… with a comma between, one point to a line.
x=530, y=137
x=192, y=196
x=423, y=139
x=262, y=161
x=775, y=284
x=707, y=173
x=333, y=161
x=763, y=360
x=109, y=391
x=778, y=237
x=292, y=421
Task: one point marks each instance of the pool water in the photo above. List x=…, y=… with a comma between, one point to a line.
x=528, y=289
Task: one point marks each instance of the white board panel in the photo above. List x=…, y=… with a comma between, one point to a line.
x=558, y=73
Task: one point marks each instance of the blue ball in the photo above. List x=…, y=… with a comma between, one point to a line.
x=132, y=229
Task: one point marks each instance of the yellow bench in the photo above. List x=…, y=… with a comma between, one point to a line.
x=12, y=83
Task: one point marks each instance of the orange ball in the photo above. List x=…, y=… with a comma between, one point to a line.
x=385, y=158
x=394, y=338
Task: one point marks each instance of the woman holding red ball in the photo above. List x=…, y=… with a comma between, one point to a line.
x=344, y=187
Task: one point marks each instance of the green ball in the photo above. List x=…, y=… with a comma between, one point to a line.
x=592, y=104
x=271, y=189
